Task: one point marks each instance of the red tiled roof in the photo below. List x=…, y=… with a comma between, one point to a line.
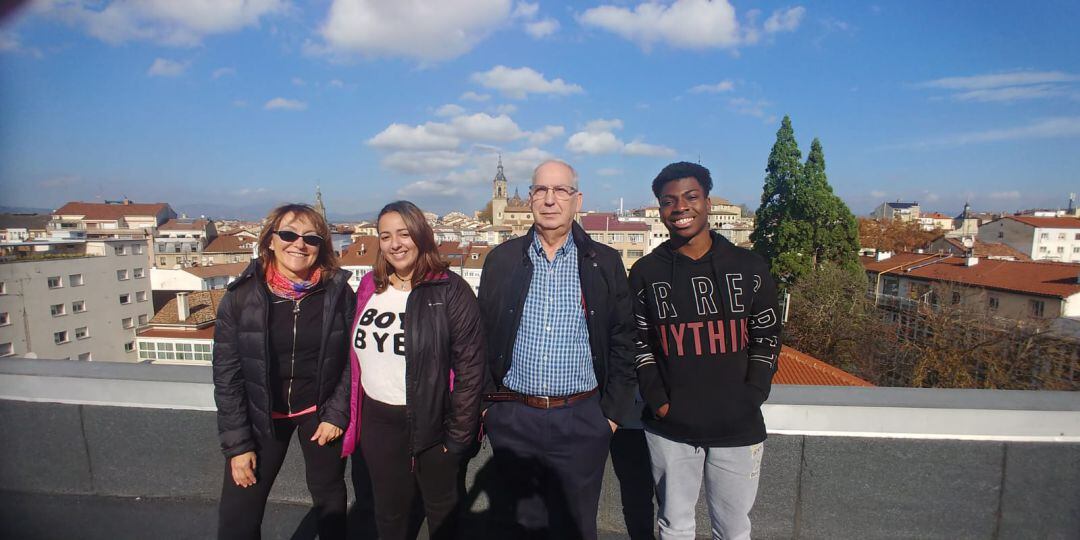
x=609, y=222
x=184, y=225
x=1048, y=222
x=217, y=270
x=229, y=244
x=800, y=368
x=935, y=215
x=481, y=253
x=202, y=308
x=988, y=249
x=351, y=256
x=1040, y=278
x=103, y=211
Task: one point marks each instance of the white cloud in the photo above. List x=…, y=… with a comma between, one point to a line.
x=525, y=10
x=1012, y=93
x=297, y=81
x=520, y=82
x=10, y=43
x=450, y=109
x=594, y=142
x=638, y=148
x=484, y=127
x=545, y=135
x=427, y=30
x=999, y=80
x=602, y=124
x=1051, y=128
x=609, y=171
x=722, y=86
x=749, y=107
x=542, y=28
x=473, y=96
x=336, y=83
x=163, y=67
x=223, y=72
x=425, y=188
x=877, y=194
x=426, y=137
x=785, y=21
x=424, y=161
x=506, y=108
x=283, y=104
x=166, y=22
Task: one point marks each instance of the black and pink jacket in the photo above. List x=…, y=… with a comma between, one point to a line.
x=444, y=365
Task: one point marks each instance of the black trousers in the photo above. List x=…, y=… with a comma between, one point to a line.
x=549, y=468
x=407, y=488
x=240, y=512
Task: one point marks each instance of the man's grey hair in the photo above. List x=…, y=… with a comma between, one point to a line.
x=573, y=172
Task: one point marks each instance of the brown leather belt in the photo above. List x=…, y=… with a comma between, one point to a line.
x=539, y=402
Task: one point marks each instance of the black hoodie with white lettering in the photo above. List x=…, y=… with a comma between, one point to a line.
x=708, y=342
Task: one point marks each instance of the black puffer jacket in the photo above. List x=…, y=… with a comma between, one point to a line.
x=241, y=355
x=504, y=286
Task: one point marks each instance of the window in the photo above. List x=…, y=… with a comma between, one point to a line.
x=120, y=249
x=1038, y=308
x=142, y=319
x=78, y=306
x=5, y=319
x=1042, y=249
x=1076, y=249
x=161, y=261
x=1061, y=236
x=139, y=273
x=137, y=249
x=81, y=333
x=60, y=337
x=57, y=310
x=125, y=299
x=6, y=349
x=161, y=247
x=146, y=351
x=631, y=253
x=54, y=282
x=955, y=298
x=140, y=296
x=619, y=237
x=994, y=303
x=85, y=357
x=1060, y=250
x=129, y=346
x=3, y=287
x=127, y=322
x=637, y=238
x=1044, y=236
x=1076, y=236
x=122, y=275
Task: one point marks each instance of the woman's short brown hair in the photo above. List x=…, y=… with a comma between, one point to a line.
x=327, y=258
x=429, y=263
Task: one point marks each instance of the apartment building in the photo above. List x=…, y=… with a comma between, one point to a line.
x=230, y=248
x=111, y=219
x=1041, y=238
x=359, y=258
x=903, y=211
x=629, y=238
x=21, y=227
x=179, y=242
x=74, y=298
x=182, y=331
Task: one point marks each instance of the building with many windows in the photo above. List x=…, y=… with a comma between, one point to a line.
x=902, y=211
x=629, y=238
x=1041, y=238
x=182, y=331
x=180, y=242
x=73, y=298
x=240, y=247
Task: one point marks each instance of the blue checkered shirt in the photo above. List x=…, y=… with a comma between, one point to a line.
x=552, y=356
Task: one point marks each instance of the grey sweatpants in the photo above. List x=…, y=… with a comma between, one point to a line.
x=731, y=482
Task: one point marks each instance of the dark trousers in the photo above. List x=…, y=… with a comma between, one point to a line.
x=549, y=467
x=240, y=512
x=405, y=488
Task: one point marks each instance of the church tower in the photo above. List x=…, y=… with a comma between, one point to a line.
x=498, y=195
x=319, y=207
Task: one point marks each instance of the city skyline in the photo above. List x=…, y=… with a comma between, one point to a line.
x=243, y=105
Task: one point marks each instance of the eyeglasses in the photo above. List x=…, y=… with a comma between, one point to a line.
x=562, y=193
x=309, y=239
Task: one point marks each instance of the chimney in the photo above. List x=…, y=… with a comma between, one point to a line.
x=882, y=255
x=971, y=260
x=182, y=311
x=363, y=248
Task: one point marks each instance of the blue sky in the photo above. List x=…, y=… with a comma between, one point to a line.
x=233, y=105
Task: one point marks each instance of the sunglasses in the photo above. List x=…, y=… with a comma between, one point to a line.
x=309, y=239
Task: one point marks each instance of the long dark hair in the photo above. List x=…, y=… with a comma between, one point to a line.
x=429, y=263
x=327, y=259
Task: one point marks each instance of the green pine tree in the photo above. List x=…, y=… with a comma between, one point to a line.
x=780, y=235
x=835, y=229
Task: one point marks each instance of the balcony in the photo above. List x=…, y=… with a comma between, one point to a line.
x=102, y=450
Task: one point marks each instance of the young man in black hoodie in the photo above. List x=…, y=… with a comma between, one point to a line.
x=708, y=340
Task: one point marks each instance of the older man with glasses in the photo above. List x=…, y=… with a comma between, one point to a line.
x=560, y=357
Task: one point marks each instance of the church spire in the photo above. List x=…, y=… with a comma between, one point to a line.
x=319, y=207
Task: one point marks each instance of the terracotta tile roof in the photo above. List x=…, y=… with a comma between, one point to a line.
x=987, y=249
x=217, y=270
x=935, y=215
x=609, y=222
x=229, y=244
x=447, y=248
x=1058, y=280
x=481, y=253
x=1048, y=222
x=202, y=309
x=800, y=368
x=206, y=332
x=103, y=211
x=176, y=224
x=352, y=255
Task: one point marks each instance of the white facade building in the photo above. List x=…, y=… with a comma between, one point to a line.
x=1041, y=238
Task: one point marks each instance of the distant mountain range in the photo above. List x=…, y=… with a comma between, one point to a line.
x=24, y=210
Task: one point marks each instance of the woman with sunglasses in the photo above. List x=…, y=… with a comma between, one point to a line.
x=281, y=365
x=417, y=368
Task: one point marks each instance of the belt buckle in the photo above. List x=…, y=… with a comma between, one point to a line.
x=546, y=401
